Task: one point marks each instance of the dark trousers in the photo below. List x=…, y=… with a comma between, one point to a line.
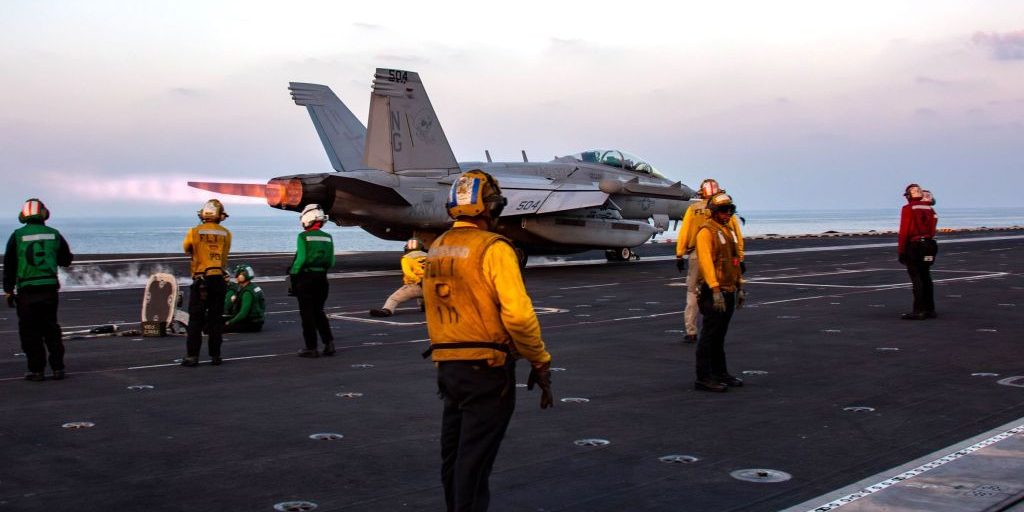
x=478, y=405
x=711, y=343
x=205, y=312
x=38, y=327
x=921, y=278
x=311, y=289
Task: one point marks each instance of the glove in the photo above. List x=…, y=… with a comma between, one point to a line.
x=719, y=301
x=743, y=267
x=681, y=265
x=11, y=300
x=903, y=259
x=291, y=290
x=741, y=297
x=542, y=377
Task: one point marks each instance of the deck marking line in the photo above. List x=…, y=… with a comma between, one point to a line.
x=906, y=475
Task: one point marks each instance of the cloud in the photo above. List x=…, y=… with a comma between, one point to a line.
x=926, y=80
x=186, y=92
x=1005, y=46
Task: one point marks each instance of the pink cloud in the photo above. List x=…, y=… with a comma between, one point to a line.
x=1005, y=46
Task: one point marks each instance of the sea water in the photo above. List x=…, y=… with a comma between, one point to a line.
x=276, y=231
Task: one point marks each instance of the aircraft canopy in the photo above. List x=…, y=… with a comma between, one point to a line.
x=617, y=159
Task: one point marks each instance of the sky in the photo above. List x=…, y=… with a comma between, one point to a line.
x=110, y=107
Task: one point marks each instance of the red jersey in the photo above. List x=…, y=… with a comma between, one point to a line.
x=917, y=220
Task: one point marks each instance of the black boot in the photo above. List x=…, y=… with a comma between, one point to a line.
x=309, y=352
x=329, y=348
x=709, y=385
x=382, y=312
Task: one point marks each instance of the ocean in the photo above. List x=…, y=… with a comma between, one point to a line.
x=276, y=231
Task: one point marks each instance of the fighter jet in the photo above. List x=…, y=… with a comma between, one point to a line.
x=392, y=179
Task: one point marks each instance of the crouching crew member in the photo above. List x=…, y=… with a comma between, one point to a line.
x=720, y=293
x=208, y=244
x=917, y=249
x=412, y=276
x=686, y=244
x=480, y=320
x=314, y=256
x=244, y=305
x=34, y=251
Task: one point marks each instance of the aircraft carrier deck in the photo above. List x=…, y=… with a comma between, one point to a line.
x=840, y=396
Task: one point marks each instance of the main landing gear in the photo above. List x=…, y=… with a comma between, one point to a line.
x=621, y=254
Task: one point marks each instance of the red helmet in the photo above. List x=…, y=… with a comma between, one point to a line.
x=709, y=187
x=33, y=209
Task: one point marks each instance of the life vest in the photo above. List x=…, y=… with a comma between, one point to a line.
x=37, y=247
x=412, y=267
x=463, y=313
x=209, y=244
x=725, y=253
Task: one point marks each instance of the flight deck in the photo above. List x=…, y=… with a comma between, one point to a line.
x=845, y=406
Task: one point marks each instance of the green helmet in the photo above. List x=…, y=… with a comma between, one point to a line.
x=246, y=270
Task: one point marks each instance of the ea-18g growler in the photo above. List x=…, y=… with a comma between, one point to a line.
x=392, y=179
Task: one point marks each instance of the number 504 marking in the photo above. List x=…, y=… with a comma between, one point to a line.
x=527, y=205
x=395, y=75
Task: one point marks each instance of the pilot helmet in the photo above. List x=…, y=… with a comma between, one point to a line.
x=709, y=187
x=245, y=270
x=312, y=214
x=475, y=193
x=721, y=202
x=33, y=210
x=414, y=244
x=913, y=192
x=212, y=211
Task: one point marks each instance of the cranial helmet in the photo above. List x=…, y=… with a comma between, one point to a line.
x=245, y=270
x=414, y=244
x=475, y=193
x=33, y=210
x=212, y=211
x=312, y=214
x=721, y=202
x=709, y=187
x=913, y=191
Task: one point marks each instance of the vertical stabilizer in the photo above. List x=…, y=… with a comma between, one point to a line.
x=342, y=135
x=403, y=131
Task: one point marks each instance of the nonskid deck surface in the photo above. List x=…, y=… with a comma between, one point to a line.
x=821, y=334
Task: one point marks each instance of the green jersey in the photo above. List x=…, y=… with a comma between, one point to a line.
x=314, y=252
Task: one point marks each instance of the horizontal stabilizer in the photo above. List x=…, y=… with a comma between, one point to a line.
x=232, y=189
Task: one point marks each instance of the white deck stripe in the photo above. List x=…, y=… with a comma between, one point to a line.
x=951, y=453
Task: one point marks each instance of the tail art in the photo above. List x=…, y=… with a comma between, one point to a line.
x=403, y=131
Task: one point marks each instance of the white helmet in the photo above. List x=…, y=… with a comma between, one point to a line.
x=311, y=214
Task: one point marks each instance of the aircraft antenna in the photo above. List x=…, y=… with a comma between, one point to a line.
x=524, y=156
x=488, y=154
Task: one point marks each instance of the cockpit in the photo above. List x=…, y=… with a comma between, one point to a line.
x=617, y=159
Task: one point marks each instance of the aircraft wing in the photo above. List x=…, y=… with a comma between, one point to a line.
x=539, y=196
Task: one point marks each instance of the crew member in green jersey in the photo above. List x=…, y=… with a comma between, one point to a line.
x=314, y=256
x=244, y=305
x=33, y=254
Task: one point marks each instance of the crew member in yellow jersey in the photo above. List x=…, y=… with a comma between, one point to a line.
x=720, y=293
x=686, y=243
x=480, y=320
x=208, y=244
x=413, y=262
